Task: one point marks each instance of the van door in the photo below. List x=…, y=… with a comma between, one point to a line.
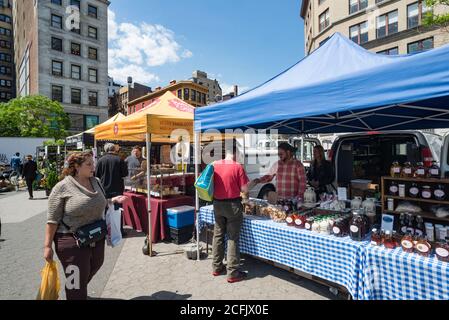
x=444, y=157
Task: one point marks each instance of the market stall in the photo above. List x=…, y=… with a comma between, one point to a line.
x=86, y=139
x=166, y=120
x=342, y=87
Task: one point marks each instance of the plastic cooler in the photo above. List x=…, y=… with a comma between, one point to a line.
x=180, y=217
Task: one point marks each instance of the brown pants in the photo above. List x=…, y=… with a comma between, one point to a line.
x=87, y=260
x=228, y=221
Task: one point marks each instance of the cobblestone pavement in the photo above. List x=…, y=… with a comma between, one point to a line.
x=21, y=244
x=171, y=276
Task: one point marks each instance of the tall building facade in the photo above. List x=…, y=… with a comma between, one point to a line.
x=215, y=92
x=189, y=91
x=381, y=26
x=131, y=92
x=61, y=51
x=7, y=69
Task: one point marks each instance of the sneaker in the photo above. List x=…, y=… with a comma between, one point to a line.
x=221, y=272
x=30, y=198
x=237, y=277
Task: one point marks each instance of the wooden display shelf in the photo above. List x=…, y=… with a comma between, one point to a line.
x=442, y=202
x=424, y=214
x=426, y=180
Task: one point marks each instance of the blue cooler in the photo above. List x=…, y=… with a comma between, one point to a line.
x=180, y=217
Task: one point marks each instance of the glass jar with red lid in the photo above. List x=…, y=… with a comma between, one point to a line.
x=407, y=243
x=300, y=221
x=442, y=250
x=423, y=247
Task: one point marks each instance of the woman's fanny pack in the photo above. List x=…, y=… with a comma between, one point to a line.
x=88, y=235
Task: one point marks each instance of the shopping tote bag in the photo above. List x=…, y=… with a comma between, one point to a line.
x=205, y=184
x=113, y=219
x=50, y=284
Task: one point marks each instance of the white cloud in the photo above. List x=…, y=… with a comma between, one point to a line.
x=137, y=47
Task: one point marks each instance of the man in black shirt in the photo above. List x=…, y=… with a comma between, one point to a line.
x=29, y=173
x=111, y=170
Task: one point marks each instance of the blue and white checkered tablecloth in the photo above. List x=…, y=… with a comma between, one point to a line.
x=397, y=275
x=334, y=259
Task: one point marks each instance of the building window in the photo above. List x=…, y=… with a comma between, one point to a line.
x=58, y=2
x=193, y=95
x=186, y=94
x=419, y=46
x=198, y=97
x=76, y=72
x=76, y=3
x=5, y=18
x=56, y=93
x=92, y=32
x=56, y=21
x=56, y=44
x=357, y=5
x=204, y=98
x=5, y=70
x=75, y=49
x=76, y=27
x=56, y=68
x=92, y=11
x=91, y=122
x=359, y=33
x=324, y=20
x=5, y=32
x=415, y=14
x=5, y=83
x=390, y=52
x=93, y=75
x=5, y=44
x=76, y=122
x=93, y=53
x=387, y=24
x=76, y=96
x=5, y=95
x=5, y=57
x=93, y=98
x=180, y=93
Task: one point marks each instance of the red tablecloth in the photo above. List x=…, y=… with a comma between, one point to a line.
x=135, y=213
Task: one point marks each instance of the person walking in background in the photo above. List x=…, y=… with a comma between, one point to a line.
x=76, y=201
x=111, y=170
x=230, y=180
x=134, y=161
x=29, y=172
x=16, y=162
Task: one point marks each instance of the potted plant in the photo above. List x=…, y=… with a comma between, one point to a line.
x=51, y=178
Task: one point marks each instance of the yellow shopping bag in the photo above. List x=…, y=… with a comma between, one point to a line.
x=50, y=284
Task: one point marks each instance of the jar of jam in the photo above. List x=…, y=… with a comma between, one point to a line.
x=376, y=238
x=300, y=221
x=358, y=226
x=434, y=170
x=290, y=220
x=421, y=171
x=442, y=250
x=340, y=227
x=439, y=193
x=423, y=247
x=407, y=243
x=407, y=170
x=309, y=223
x=394, y=189
x=395, y=170
x=388, y=240
x=413, y=192
x=426, y=192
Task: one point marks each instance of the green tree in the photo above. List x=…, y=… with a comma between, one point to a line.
x=33, y=116
x=433, y=19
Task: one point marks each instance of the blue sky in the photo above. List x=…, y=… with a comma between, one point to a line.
x=244, y=42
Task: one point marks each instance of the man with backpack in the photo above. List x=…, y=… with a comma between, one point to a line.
x=16, y=163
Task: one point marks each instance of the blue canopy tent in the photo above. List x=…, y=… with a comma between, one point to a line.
x=341, y=87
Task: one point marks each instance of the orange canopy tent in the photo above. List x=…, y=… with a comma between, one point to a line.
x=165, y=120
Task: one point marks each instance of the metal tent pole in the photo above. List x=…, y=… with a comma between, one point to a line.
x=150, y=236
x=197, y=199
